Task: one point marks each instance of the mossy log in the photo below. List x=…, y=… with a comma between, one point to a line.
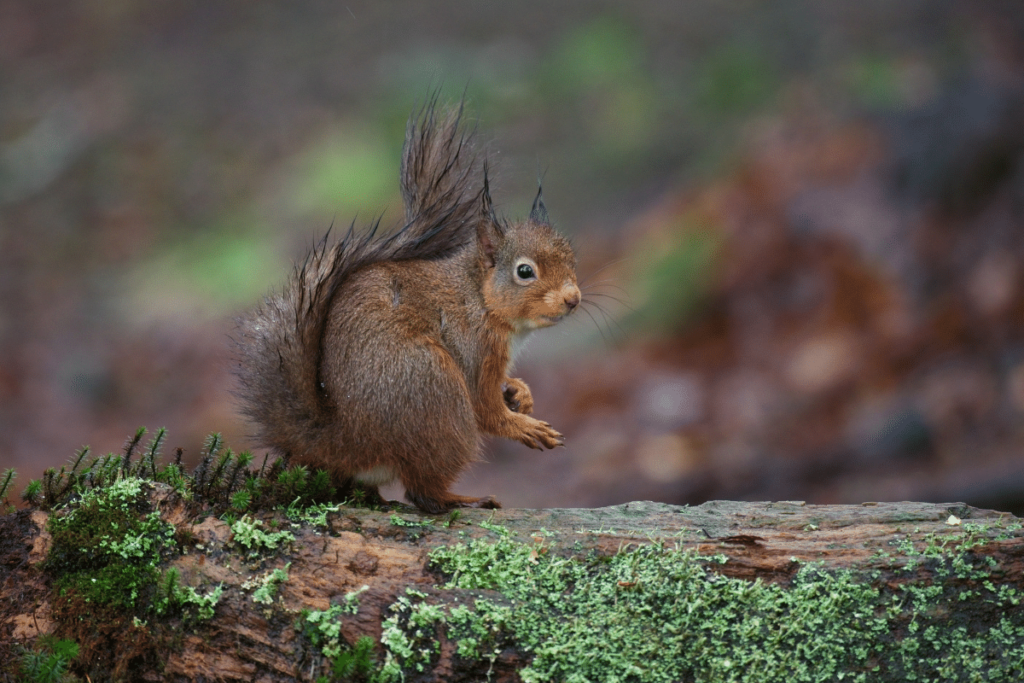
x=724, y=591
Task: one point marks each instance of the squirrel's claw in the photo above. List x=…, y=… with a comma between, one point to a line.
x=540, y=435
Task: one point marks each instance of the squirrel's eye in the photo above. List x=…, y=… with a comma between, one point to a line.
x=524, y=271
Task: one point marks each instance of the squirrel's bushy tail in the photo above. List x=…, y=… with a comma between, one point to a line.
x=281, y=342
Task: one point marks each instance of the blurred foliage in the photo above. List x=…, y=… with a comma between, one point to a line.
x=603, y=65
x=673, y=273
x=874, y=81
x=604, y=52
x=353, y=171
x=164, y=165
x=603, y=100
x=736, y=79
x=208, y=275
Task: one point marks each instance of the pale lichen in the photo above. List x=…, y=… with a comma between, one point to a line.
x=266, y=585
x=249, y=533
x=657, y=613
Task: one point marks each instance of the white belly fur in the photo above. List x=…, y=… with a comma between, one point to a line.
x=516, y=344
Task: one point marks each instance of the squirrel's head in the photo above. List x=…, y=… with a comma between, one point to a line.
x=529, y=269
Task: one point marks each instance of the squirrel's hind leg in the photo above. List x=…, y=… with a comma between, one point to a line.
x=438, y=445
x=427, y=480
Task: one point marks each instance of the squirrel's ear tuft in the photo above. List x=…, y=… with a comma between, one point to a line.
x=488, y=230
x=539, y=212
x=486, y=204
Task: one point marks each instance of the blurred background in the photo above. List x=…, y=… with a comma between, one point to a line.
x=801, y=226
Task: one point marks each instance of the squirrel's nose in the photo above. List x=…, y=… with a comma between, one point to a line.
x=573, y=301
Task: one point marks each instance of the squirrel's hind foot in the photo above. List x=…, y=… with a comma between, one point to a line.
x=448, y=501
x=487, y=503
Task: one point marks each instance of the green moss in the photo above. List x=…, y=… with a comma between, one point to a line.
x=115, y=591
x=355, y=662
x=650, y=613
x=6, y=479
x=48, y=662
x=322, y=628
x=107, y=549
x=107, y=546
x=662, y=614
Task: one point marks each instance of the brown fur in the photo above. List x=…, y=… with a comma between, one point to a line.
x=388, y=358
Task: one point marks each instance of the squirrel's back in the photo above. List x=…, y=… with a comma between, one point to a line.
x=281, y=343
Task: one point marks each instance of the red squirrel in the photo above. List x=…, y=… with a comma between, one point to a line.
x=388, y=357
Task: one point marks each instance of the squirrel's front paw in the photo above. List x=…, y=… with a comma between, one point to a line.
x=517, y=396
x=539, y=435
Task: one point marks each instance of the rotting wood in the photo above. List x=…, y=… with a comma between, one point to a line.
x=361, y=547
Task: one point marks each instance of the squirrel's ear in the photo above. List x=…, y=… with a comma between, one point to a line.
x=488, y=232
x=539, y=212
